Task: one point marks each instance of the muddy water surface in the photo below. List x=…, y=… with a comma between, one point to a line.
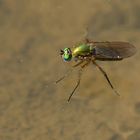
x=32, y=107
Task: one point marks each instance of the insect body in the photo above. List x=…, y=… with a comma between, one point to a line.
x=89, y=51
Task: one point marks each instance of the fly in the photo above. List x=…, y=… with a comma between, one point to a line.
x=88, y=52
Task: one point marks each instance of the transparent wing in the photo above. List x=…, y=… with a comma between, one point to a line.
x=113, y=50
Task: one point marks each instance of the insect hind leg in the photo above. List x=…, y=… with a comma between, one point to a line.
x=106, y=76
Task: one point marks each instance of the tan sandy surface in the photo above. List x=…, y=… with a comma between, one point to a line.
x=33, y=108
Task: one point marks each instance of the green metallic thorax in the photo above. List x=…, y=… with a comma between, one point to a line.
x=82, y=50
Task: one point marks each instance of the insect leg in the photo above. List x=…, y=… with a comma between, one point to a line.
x=79, y=78
x=60, y=79
x=78, y=83
x=66, y=74
x=79, y=63
x=87, y=62
x=87, y=40
x=107, y=78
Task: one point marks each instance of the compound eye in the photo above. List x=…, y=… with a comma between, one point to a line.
x=68, y=51
x=67, y=54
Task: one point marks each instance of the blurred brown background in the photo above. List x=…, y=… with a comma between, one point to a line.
x=32, y=107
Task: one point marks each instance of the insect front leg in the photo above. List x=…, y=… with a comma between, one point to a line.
x=84, y=65
x=79, y=63
x=65, y=75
